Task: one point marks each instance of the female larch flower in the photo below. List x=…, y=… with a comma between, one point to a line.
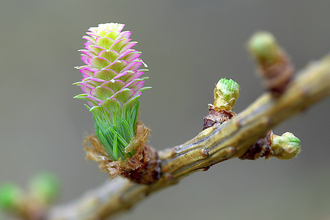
x=112, y=85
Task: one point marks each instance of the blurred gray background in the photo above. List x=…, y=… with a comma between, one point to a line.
x=188, y=46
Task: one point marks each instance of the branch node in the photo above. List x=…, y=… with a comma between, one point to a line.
x=168, y=177
x=205, y=153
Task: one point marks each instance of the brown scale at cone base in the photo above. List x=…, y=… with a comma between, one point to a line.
x=143, y=167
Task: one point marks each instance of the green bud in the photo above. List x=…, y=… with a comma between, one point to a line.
x=10, y=196
x=286, y=146
x=45, y=187
x=263, y=47
x=226, y=93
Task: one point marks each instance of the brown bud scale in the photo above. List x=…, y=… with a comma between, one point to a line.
x=149, y=170
x=261, y=148
x=217, y=116
x=277, y=75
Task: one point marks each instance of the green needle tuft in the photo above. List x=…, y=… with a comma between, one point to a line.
x=117, y=131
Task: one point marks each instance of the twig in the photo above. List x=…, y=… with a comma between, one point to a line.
x=211, y=146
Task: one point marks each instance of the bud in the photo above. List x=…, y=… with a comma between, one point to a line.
x=273, y=64
x=263, y=47
x=44, y=187
x=285, y=147
x=226, y=93
x=10, y=196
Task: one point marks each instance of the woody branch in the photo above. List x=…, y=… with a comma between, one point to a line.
x=211, y=146
x=225, y=134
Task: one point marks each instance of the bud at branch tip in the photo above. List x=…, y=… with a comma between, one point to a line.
x=263, y=47
x=226, y=93
x=286, y=146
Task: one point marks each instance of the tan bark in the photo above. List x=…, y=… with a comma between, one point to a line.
x=211, y=146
